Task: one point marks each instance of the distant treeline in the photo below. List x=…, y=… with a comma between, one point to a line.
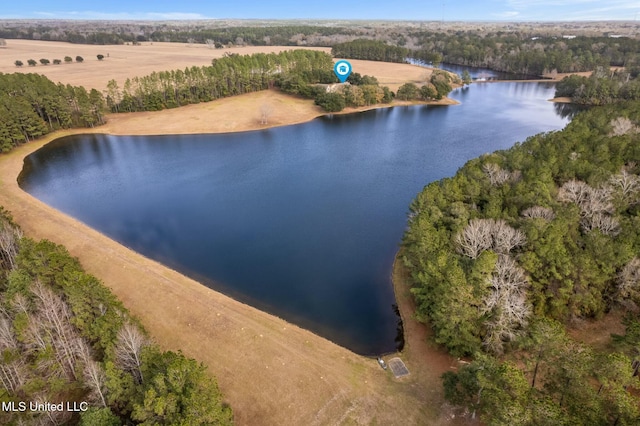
x=373, y=50
x=64, y=337
x=370, y=50
x=528, y=54
x=601, y=88
x=255, y=36
x=511, y=53
x=31, y=106
x=522, y=244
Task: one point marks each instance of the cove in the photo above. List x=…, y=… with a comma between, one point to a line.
x=300, y=221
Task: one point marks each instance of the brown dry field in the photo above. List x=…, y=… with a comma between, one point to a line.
x=237, y=113
x=271, y=372
x=127, y=61
x=124, y=61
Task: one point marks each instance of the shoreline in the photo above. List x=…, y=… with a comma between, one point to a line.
x=270, y=371
x=289, y=110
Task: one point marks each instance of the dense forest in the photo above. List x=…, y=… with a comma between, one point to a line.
x=370, y=50
x=528, y=53
x=513, y=53
x=31, y=105
x=601, y=88
x=103, y=33
x=520, y=245
x=64, y=337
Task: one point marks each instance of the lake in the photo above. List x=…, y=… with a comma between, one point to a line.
x=300, y=221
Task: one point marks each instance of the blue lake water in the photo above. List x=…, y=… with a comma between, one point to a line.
x=301, y=221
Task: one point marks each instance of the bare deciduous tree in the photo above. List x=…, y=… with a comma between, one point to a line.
x=211, y=44
x=266, y=110
x=628, y=281
x=506, y=238
x=52, y=323
x=475, y=238
x=539, y=212
x=485, y=234
x=9, y=237
x=49, y=417
x=598, y=201
x=574, y=191
x=129, y=347
x=627, y=183
x=608, y=225
x=596, y=206
x=12, y=372
x=497, y=175
x=506, y=304
x=95, y=379
x=622, y=126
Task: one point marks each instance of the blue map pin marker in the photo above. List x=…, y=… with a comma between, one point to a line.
x=342, y=70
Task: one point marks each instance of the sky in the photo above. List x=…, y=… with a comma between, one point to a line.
x=430, y=10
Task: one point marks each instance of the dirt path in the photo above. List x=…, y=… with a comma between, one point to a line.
x=271, y=372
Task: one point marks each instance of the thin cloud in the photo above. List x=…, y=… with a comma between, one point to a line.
x=506, y=15
x=105, y=16
x=525, y=4
x=575, y=9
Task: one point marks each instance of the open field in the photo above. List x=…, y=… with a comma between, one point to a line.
x=127, y=61
x=124, y=61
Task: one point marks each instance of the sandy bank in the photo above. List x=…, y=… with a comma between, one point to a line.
x=272, y=372
x=234, y=114
x=561, y=100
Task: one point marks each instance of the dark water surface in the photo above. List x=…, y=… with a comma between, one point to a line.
x=476, y=73
x=301, y=221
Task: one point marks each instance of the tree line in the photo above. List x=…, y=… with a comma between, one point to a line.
x=64, y=337
x=31, y=106
x=277, y=35
x=301, y=72
x=508, y=52
x=228, y=76
x=518, y=245
x=45, y=61
x=601, y=88
x=438, y=86
x=529, y=53
x=370, y=50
